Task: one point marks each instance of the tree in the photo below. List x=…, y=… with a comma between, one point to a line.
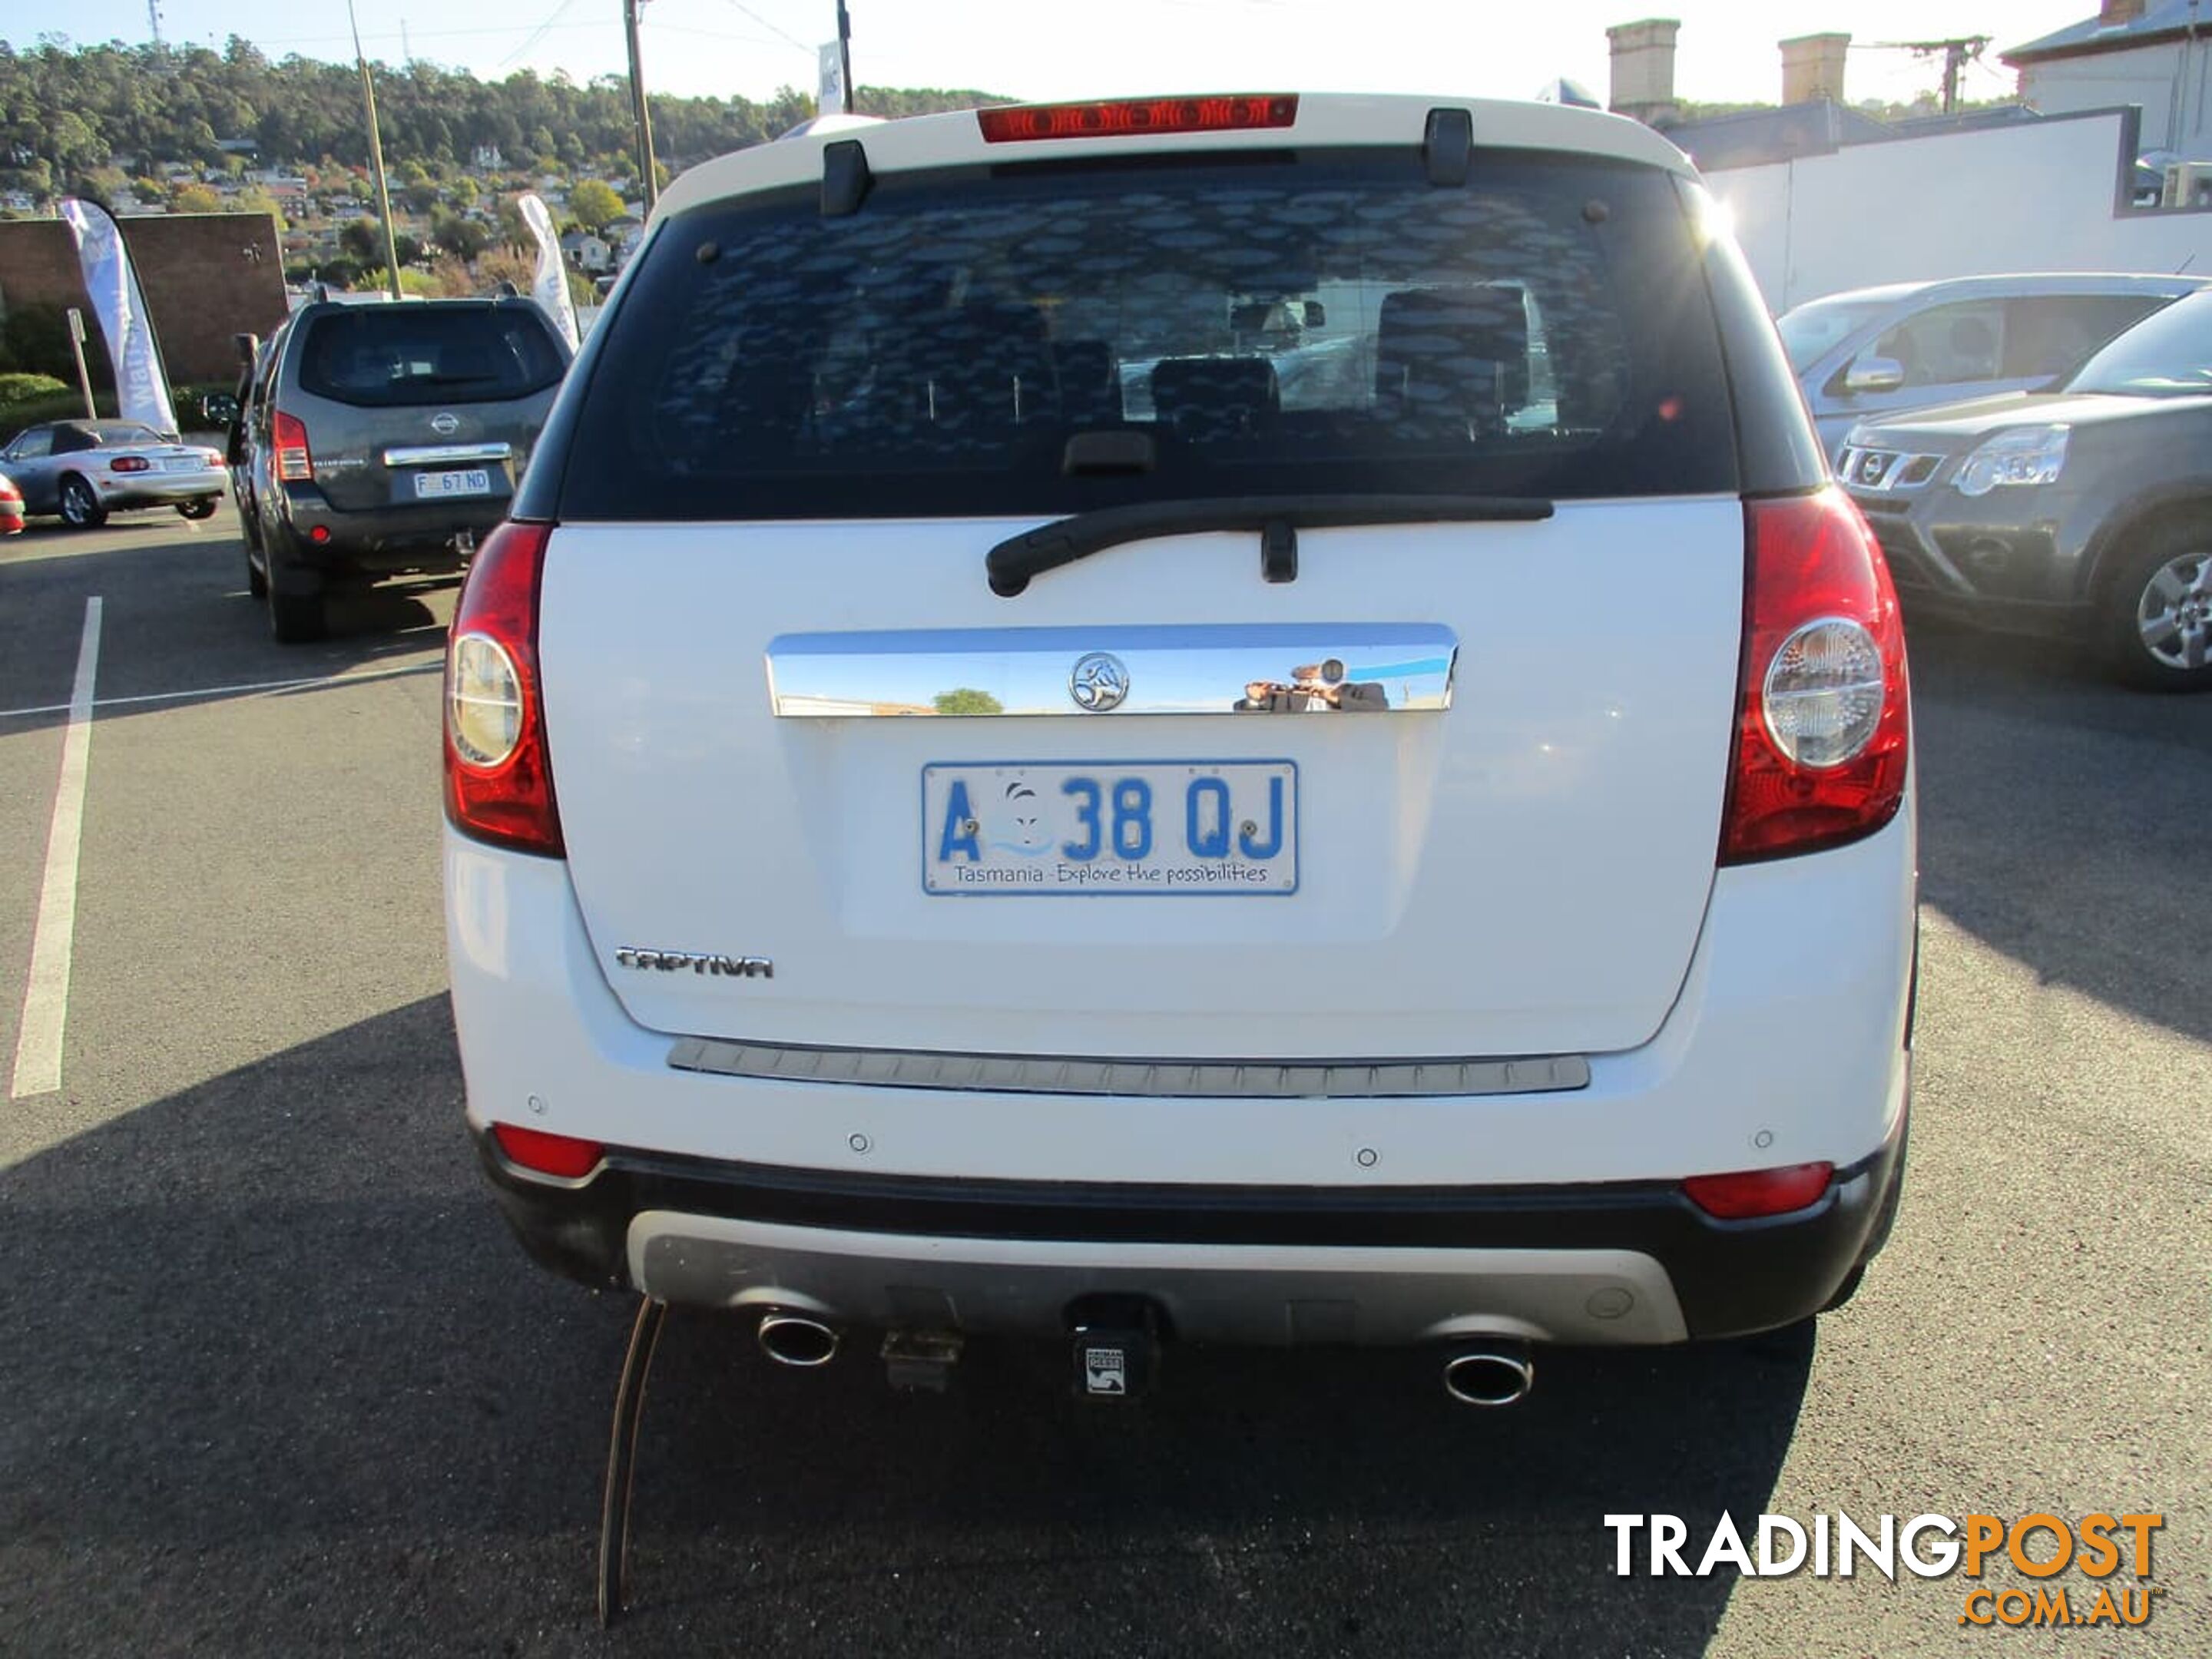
x=594, y=206
x=195, y=198
x=364, y=239
x=966, y=700
x=462, y=238
x=465, y=193
x=260, y=201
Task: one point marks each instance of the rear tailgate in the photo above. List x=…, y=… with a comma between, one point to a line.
x=1524, y=873
x=409, y=405
x=790, y=722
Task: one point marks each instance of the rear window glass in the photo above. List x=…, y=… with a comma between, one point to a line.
x=379, y=356
x=1332, y=324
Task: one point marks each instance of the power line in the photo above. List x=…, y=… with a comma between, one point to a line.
x=538, y=33
x=432, y=34
x=711, y=34
x=1957, y=53
x=785, y=34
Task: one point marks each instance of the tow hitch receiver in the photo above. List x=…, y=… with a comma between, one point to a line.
x=1116, y=1348
x=919, y=1361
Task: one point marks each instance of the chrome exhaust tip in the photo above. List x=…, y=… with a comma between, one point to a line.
x=1496, y=1375
x=798, y=1339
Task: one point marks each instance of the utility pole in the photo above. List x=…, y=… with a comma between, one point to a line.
x=77, y=344
x=1957, y=54
x=845, y=56
x=154, y=19
x=640, y=113
x=376, y=154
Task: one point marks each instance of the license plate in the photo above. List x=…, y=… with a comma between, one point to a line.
x=476, y=481
x=1160, y=829
x=183, y=463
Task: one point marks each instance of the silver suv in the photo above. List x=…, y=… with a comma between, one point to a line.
x=384, y=440
x=1875, y=352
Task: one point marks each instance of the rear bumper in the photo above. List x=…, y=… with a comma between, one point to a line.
x=1608, y=1263
x=1989, y=563
x=163, y=489
x=385, y=540
x=1394, y=1219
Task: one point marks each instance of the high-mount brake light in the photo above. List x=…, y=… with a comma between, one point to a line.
x=294, y=460
x=1822, y=712
x=499, y=775
x=1238, y=112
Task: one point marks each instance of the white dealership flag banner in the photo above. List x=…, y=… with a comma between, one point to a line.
x=551, y=290
x=141, y=389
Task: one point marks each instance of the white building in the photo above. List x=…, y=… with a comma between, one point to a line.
x=2152, y=54
x=585, y=252
x=1824, y=197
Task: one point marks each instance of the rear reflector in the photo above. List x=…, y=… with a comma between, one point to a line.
x=1241, y=113
x=1749, y=1193
x=548, y=1154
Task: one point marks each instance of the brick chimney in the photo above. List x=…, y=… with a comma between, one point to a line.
x=1813, y=68
x=2118, y=14
x=1643, y=68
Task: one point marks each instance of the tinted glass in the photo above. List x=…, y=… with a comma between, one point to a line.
x=1337, y=324
x=2048, y=335
x=1956, y=344
x=32, y=444
x=1810, y=331
x=2167, y=354
x=383, y=357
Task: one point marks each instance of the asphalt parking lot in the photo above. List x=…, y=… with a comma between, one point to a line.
x=273, y=1379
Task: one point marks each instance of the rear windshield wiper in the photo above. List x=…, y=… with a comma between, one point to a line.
x=1277, y=519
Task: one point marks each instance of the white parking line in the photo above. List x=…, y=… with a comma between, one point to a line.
x=46, y=999
x=360, y=676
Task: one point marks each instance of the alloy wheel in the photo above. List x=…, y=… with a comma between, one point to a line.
x=2173, y=614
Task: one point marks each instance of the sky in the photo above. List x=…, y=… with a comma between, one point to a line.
x=1049, y=49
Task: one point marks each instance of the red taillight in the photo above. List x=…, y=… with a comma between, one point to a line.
x=130, y=463
x=1822, y=721
x=1121, y=117
x=1749, y=1193
x=498, y=776
x=548, y=1154
x=294, y=459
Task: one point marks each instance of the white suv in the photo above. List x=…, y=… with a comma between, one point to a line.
x=876, y=901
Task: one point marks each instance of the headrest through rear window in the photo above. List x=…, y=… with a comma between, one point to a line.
x=1207, y=397
x=1451, y=353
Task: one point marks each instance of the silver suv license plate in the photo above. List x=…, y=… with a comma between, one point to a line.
x=1119, y=828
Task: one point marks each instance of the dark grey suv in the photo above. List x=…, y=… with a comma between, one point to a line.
x=380, y=441
x=2086, y=509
